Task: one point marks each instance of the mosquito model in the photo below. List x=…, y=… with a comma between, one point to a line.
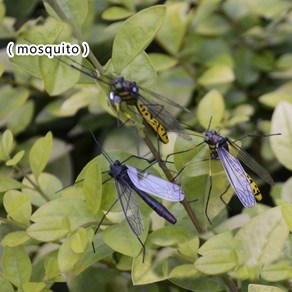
x=129, y=179
x=154, y=114
x=243, y=185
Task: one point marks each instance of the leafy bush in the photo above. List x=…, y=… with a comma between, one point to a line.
x=229, y=60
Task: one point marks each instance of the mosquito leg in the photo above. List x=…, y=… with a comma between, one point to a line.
x=221, y=196
x=209, y=192
x=143, y=247
x=101, y=220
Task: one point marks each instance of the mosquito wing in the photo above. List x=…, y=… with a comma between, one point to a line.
x=159, y=112
x=130, y=208
x=237, y=178
x=154, y=185
x=252, y=164
x=165, y=99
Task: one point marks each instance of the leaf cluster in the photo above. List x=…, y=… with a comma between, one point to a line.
x=229, y=60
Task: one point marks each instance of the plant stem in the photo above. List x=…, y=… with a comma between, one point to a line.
x=231, y=285
x=37, y=187
x=75, y=31
x=11, y=222
x=198, y=225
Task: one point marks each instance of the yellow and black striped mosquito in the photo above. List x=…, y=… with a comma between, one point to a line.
x=154, y=114
x=243, y=185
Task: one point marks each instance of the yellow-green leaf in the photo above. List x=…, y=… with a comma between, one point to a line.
x=16, y=265
x=40, y=153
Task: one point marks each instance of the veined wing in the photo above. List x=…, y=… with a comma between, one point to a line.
x=163, y=98
x=155, y=185
x=237, y=178
x=165, y=118
x=252, y=164
x=130, y=208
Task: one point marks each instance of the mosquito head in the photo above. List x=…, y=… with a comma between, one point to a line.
x=116, y=168
x=212, y=137
x=115, y=100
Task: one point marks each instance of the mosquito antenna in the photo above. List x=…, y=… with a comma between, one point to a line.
x=107, y=157
x=90, y=73
x=209, y=125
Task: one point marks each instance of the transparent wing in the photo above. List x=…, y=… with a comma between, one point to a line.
x=165, y=118
x=252, y=164
x=237, y=178
x=165, y=99
x=130, y=208
x=155, y=185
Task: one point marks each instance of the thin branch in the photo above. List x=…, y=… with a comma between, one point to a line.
x=198, y=225
x=36, y=186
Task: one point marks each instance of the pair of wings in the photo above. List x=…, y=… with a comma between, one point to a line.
x=163, y=116
x=237, y=176
x=148, y=183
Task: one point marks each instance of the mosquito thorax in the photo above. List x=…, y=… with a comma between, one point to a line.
x=116, y=169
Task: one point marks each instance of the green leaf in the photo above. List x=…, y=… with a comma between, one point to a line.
x=18, y=206
x=279, y=271
x=92, y=188
x=33, y=286
x=72, y=208
x=263, y=237
x=151, y=271
x=15, y=238
x=5, y=284
x=146, y=78
x=287, y=214
x=281, y=123
x=284, y=193
x=75, y=102
x=116, y=13
x=79, y=241
x=244, y=70
x=216, y=75
x=7, y=143
x=89, y=258
x=15, y=159
x=120, y=238
x=172, y=32
x=211, y=106
x=135, y=34
x=169, y=236
x=217, y=262
x=21, y=117
x=263, y=288
x=189, y=248
x=272, y=98
x=223, y=241
x=66, y=257
x=50, y=185
x=16, y=265
x=50, y=264
x=218, y=254
x=74, y=10
x=7, y=183
x=188, y=277
x=47, y=230
x=162, y=62
x=12, y=98
x=267, y=8
x=40, y=153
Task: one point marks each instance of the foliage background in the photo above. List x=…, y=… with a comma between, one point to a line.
x=227, y=59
